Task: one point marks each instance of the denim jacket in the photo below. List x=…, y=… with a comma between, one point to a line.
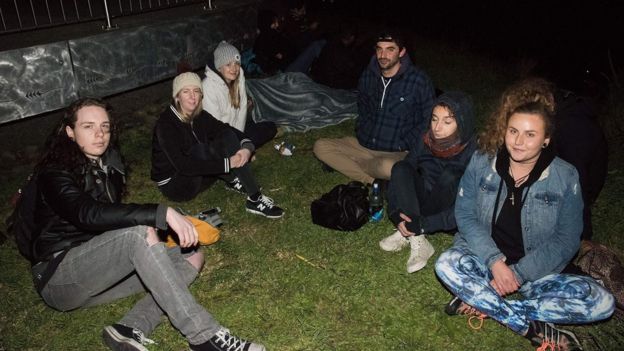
x=551, y=217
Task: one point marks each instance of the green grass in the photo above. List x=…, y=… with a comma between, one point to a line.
x=288, y=283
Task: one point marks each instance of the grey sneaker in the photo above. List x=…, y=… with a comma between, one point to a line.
x=421, y=251
x=395, y=242
x=121, y=338
x=224, y=341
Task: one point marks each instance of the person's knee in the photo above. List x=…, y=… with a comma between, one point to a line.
x=603, y=302
x=321, y=147
x=384, y=167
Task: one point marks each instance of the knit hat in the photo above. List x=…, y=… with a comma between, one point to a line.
x=184, y=79
x=225, y=53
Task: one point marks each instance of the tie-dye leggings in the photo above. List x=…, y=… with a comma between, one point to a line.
x=555, y=298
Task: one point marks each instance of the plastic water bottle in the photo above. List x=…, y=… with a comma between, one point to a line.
x=375, y=207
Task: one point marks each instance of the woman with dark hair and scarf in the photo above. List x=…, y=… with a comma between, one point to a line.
x=519, y=213
x=423, y=187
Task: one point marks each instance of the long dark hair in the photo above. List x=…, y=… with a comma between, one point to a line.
x=61, y=151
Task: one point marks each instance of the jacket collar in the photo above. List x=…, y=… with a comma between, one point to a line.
x=543, y=176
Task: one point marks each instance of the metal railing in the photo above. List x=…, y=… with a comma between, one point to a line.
x=24, y=15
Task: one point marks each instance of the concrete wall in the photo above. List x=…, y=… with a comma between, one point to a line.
x=46, y=77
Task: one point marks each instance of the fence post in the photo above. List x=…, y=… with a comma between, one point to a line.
x=108, y=25
x=208, y=5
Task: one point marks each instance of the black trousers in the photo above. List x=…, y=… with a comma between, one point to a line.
x=184, y=187
x=259, y=133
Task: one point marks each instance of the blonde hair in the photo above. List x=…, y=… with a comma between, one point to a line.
x=514, y=99
x=234, y=91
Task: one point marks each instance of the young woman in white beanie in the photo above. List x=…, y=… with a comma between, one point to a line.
x=226, y=98
x=190, y=148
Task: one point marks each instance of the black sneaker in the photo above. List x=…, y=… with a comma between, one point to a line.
x=224, y=341
x=264, y=206
x=457, y=307
x=550, y=337
x=236, y=186
x=121, y=338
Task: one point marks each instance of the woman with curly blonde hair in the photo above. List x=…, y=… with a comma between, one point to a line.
x=519, y=219
x=520, y=93
x=578, y=138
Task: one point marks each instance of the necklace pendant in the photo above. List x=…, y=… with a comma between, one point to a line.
x=512, y=199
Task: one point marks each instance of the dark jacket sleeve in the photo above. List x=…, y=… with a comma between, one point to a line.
x=63, y=194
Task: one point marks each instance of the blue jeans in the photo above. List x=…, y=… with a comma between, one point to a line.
x=555, y=298
x=119, y=263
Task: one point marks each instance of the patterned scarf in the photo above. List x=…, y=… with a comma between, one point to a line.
x=444, y=147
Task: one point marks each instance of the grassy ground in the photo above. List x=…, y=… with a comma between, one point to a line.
x=288, y=283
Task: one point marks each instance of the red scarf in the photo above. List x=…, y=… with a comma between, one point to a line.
x=444, y=147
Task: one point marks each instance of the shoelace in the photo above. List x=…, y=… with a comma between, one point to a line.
x=474, y=316
x=140, y=337
x=550, y=343
x=266, y=200
x=230, y=342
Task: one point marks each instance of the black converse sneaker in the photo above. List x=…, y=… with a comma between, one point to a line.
x=121, y=338
x=224, y=341
x=264, y=206
x=236, y=186
x=549, y=337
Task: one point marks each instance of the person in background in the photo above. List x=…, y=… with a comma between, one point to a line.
x=190, y=147
x=519, y=215
x=91, y=249
x=395, y=99
x=338, y=65
x=423, y=187
x=226, y=98
x=272, y=49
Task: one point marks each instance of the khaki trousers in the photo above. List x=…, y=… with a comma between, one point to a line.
x=348, y=157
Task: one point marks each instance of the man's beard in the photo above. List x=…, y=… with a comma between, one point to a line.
x=386, y=64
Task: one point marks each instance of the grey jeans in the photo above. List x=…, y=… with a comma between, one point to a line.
x=120, y=263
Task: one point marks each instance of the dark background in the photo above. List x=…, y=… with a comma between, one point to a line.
x=566, y=41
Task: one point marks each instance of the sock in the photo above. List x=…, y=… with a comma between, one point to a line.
x=255, y=196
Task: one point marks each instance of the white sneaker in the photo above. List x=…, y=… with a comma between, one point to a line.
x=394, y=242
x=421, y=250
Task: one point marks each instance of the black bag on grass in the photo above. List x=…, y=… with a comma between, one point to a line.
x=344, y=208
x=21, y=223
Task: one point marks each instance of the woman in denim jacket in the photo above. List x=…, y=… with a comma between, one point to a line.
x=525, y=244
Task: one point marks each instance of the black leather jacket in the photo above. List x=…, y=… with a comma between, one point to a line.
x=72, y=209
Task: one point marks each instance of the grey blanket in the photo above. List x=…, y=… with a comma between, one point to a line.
x=297, y=103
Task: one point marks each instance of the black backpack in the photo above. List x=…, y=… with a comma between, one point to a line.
x=344, y=208
x=21, y=223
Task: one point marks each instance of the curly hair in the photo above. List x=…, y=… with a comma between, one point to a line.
x=60, y=150
x=515, y=99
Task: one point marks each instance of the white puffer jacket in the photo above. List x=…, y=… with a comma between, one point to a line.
x=217, y=99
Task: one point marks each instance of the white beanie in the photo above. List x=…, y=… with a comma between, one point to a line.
x=225, y=53
x=184, y=79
